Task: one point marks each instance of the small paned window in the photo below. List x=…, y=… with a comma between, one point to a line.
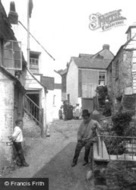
x=12, y=55
x=101, y=78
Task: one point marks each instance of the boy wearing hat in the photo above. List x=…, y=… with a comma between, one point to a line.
x=85, y=136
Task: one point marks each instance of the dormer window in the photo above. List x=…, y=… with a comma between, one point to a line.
x=131, y=32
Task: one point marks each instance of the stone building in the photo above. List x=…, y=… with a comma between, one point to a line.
x=84, y=74
x=12, y=71
x=121, y=73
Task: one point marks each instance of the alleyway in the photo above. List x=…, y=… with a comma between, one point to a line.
x=51, y=158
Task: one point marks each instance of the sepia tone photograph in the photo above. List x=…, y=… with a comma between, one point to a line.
x=67, y=95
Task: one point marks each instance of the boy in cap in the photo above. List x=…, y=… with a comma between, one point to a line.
x=85, y=136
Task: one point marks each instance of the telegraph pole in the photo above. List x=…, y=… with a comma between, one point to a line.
x=28, y=36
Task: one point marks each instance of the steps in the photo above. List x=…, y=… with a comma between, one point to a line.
x=34, y=112
x=30, y=129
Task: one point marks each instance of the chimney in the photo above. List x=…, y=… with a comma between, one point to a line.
x=106, y=46
x=13, y=16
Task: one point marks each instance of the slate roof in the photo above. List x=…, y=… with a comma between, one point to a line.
x=61, y=72
x=6, y=33
x=94, y=63
x=104, y=53
x=100, y=60
x=85, y=55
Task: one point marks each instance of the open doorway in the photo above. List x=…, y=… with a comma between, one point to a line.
x=34, y=96
x=32, y=104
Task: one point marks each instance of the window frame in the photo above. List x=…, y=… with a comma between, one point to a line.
x=102, y=79
x=11, y=52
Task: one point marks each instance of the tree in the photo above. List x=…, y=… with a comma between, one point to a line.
x=102, y=92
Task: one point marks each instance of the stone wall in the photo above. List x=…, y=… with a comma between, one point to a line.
x=121, y=75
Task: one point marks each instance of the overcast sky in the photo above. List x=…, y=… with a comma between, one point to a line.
x=62, y=26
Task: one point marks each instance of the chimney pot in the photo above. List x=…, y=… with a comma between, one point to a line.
x=12, y=6
x=13, y=16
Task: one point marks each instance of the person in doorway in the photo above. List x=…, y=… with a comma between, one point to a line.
x=85, y=137
x=17, y=138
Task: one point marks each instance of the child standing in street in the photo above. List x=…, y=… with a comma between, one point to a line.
x=17, y=138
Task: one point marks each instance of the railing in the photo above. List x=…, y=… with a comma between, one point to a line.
x=115, y=148
x=33, y=110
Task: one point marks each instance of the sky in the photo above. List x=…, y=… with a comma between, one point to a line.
x=62, y=26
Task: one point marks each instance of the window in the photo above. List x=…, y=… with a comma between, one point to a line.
x=34, y=60
x=101, y=78
x=12, y=56
x=34, y=63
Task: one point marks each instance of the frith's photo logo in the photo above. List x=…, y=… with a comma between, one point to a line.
x=106, y=21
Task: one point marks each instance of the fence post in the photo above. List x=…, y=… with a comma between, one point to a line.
x=41, y=122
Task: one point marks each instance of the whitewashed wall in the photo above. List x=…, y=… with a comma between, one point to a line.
x=72, y=83
x=6, y=118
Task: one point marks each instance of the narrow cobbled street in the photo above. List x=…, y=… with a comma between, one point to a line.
x=51, y=158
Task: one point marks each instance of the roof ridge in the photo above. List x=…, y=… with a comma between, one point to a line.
x=101, y=51
x=93, y=63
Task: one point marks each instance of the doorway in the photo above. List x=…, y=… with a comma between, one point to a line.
x=87, y=103
x=34, y=96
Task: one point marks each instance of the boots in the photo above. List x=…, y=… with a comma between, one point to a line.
x=73, y=164
x=25, y=164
